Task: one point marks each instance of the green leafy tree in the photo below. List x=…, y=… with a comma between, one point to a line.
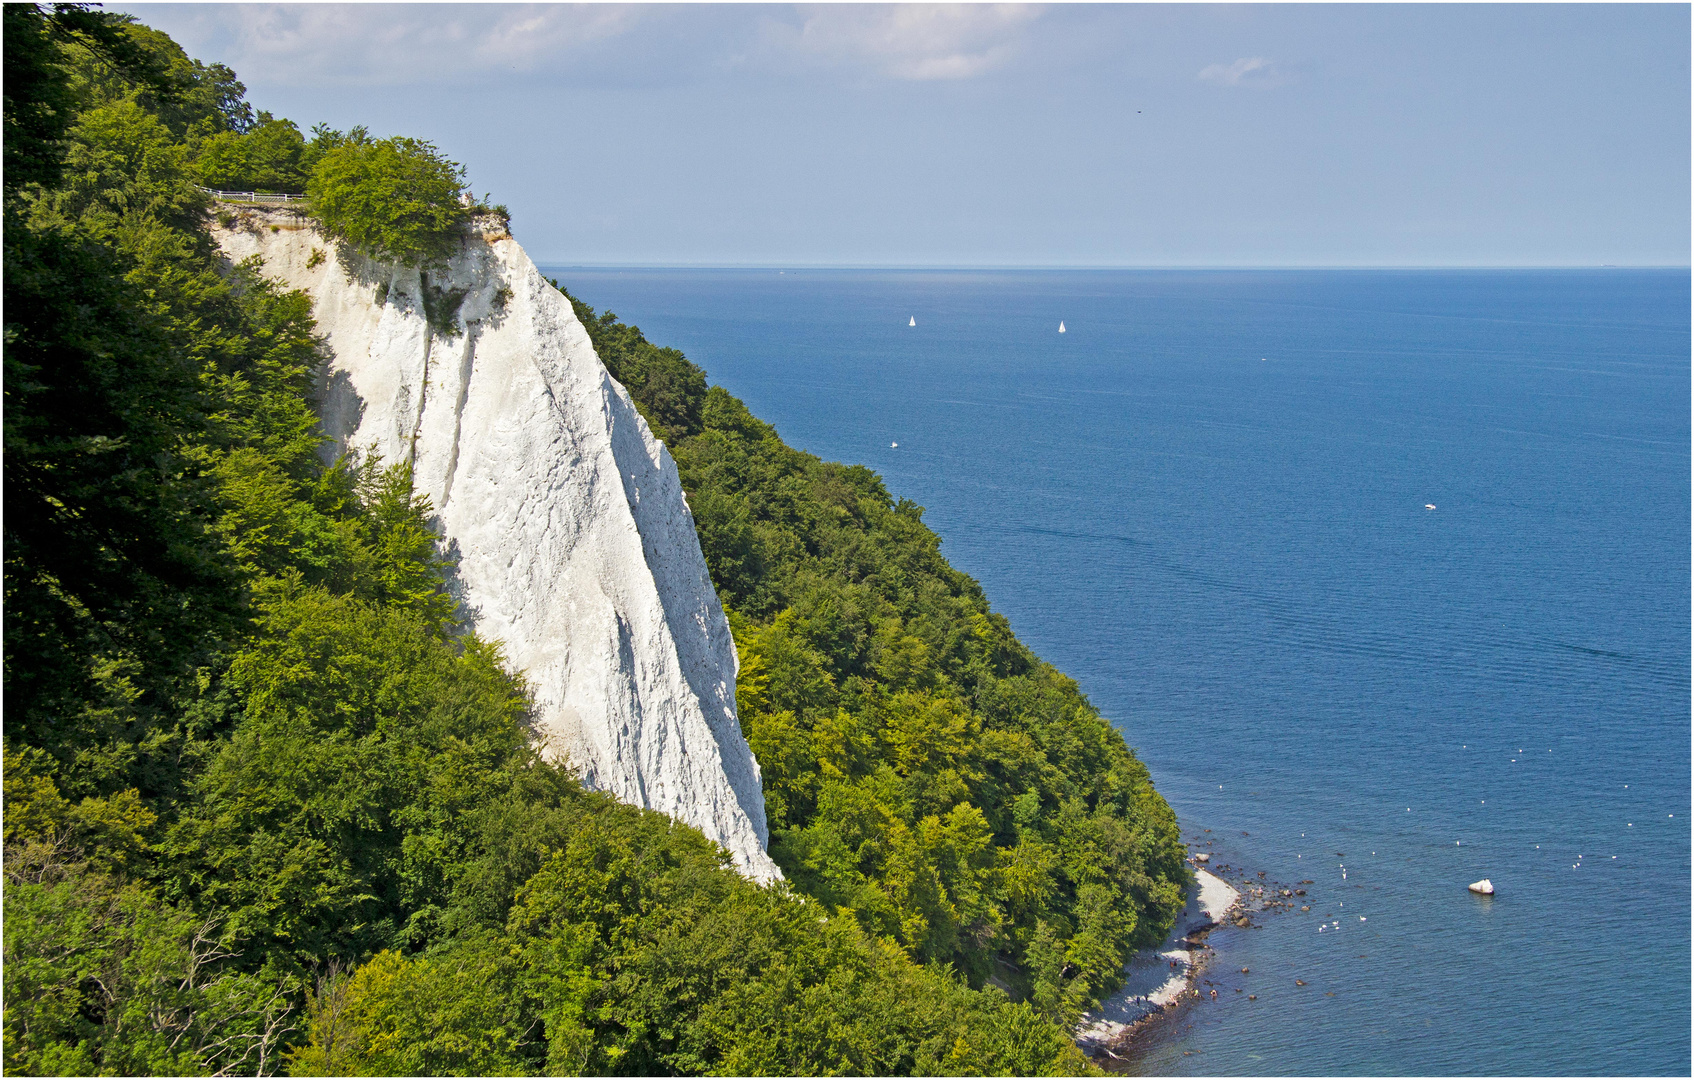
x=144, y=65
x=43, y=45
x=107, y=551
x=396, y=200
x=636, y=950
x=270, y=156
x=331, y=822
x=100, y=975
x=460, y=1011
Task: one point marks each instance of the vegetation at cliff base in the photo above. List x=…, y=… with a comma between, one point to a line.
x=922, y=769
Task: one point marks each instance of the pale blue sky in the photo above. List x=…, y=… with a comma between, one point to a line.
x=1128, y=135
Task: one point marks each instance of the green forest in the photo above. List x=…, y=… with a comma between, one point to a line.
x=271, y=809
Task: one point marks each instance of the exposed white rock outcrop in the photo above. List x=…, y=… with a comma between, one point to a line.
x=564, y=516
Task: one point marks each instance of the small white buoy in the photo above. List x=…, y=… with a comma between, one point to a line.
x=1483, y=887
x=1061, y=326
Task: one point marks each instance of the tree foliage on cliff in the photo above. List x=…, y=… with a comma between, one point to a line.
x=266, y=807
x=396, y=200
x=922, y=769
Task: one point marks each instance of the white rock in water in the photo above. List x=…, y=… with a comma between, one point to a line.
x=1485, y=887
x=1202, y=857
x=573, y=544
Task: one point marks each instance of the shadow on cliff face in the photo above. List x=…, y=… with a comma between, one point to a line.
x=340, y=410
x=466, y=616
x=463, y=291
x=688, y=597
x=361, y=269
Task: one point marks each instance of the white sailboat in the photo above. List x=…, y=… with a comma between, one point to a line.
x=1061, y=326
x=914, y=321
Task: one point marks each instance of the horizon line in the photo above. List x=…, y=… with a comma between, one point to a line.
x=654, y=265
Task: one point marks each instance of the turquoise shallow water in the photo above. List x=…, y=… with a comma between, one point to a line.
x=1207, y=502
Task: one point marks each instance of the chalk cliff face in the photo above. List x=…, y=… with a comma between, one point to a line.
x=566, y=520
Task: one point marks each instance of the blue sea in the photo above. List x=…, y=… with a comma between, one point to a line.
x=1382, y=572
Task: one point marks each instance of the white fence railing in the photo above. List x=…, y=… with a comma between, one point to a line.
x=252, y=196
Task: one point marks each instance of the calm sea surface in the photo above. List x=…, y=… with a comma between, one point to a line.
x=1207, y=502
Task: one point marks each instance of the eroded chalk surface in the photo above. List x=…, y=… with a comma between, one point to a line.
x=571, y=540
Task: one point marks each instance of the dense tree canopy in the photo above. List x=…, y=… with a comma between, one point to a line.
x=269, y=808
x=396, y=200
x=269, y=156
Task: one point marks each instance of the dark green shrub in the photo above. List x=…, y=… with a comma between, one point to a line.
x=396, y=200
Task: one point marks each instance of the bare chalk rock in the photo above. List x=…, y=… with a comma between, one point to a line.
x=563, y=517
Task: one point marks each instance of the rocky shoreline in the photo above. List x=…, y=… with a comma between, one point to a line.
x=1159, y=979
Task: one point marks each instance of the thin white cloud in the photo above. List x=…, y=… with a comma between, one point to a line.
x=909, y=41
x=527, y=38
x=406, y=44
x=389, y=44
x=1247, y=71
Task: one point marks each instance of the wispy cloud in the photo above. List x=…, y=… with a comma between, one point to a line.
x=395, y=44
x=1247, y=71
x=407, y=44
x=907, y=41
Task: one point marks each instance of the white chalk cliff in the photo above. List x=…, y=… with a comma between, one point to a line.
x=564, y=516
